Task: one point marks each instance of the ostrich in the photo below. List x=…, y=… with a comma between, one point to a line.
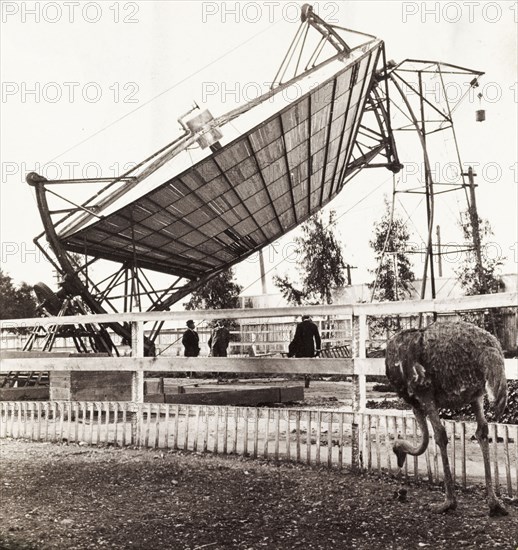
x=447, y=364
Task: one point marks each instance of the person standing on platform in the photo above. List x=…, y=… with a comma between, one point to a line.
x=191, y=341
x=219, y=340
x=306, y=342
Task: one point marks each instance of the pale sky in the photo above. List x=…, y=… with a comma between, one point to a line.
x=90, y=86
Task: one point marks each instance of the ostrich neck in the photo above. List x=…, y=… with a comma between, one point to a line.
x=419, y=449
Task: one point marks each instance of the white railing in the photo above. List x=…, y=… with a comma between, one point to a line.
x=358, y=367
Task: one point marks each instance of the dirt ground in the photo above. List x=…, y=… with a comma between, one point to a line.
x=78, y=497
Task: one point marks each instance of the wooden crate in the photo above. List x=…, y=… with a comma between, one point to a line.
x=90, y=386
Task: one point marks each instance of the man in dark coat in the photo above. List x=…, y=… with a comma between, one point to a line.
x=191, y=341
x=306, y=342
x=219, y=340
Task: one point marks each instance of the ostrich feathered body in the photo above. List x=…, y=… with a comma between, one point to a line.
x=450, y=362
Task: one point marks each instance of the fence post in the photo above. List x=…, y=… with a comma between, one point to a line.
x=137, y=380
x=359, y=340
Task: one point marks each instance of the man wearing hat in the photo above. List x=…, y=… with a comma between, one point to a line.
x=218, y=342
x=191, y=341
x=306, y=342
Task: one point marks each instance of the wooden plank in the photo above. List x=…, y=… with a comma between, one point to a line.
x=10, y=354
x=308, y=438
x=91, y=420
x=494, y=436
x=297, y=430
x=3, y=419
x=330, y=440
x=260, y=365
x=116, y=423
x=153, y=385
x=377, y=441
x=507, y=462
x=227, y=397
x=196, y=430
x=277, y=417
x=176, y=427
x=147, y=410
x=185, y=445
x=319, y=435
x=404, y=433
x=256, y=432
x=290, y=394
x=154, y=398
x=435, y=457
x=246, y=415
x=76, y=422
x=225, y=430
x=166, y=429
x=33, y=421
x=395, y=433
x=504, y=299
x=61, y=413
x=453, y=450
x=234, y=439
x=463, y=453
x=266, y=434
x=10, y=419
x=38, y=421
x=263, y=365
x=99, y=422
x=27, y=393
x=388, y=444
x=368, y=428
x=287, y=437
x=205, y=430
x=124, y=424
x=46, y=409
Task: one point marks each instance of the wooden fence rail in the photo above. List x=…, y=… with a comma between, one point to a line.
x=332, y=439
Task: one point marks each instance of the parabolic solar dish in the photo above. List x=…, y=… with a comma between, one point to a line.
x=214, y=196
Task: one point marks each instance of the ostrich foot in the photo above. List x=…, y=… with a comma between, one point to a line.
x=445, y=506
x=496, y=508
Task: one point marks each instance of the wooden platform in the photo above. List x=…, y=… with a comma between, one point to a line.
x=227, y=395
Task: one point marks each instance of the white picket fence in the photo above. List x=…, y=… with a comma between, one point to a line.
x=334, y=439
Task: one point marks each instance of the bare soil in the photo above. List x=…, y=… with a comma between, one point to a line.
x=77, y=497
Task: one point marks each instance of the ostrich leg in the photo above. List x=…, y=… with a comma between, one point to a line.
x=442, y=440
x=496, y=508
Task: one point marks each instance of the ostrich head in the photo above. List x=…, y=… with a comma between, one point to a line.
x=400, y=453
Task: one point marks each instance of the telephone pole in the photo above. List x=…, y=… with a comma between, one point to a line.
x=439, y=250
x=475, y=230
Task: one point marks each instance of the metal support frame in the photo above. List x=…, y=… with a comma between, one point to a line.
x=419, y=124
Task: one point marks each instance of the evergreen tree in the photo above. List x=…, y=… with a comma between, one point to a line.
x=221, y=292
x=394, y=272
x=16, y=302
x=474, y=281
x=485, y=279
x=320, y=264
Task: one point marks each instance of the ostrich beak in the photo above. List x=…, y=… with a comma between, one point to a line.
x=401, y=456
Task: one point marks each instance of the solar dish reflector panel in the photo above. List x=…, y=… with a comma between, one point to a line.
x=246, y=194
